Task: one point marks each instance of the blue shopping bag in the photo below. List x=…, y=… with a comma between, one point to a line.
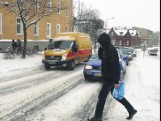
x=119, y=93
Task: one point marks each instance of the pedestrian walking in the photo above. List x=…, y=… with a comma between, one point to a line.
x=14, y=45
x=19, y=45
x=111, y=75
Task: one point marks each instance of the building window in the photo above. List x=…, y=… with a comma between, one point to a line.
x=19, y=26
x=66, y=29
x=120, y=42
x=49, y=5
x=59, y=8
x=0, y=23
x=66, y=10
x=48, y=30
x=37, y=3
x=127, y=42
x=111, y=33
x=113, y=42
x=20, y=1
x=58, y=28
x=36, y=29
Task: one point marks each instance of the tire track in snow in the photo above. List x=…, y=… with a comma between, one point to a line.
x=30, y=81
x=42, y=100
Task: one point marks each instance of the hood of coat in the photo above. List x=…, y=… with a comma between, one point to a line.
x=104, y=40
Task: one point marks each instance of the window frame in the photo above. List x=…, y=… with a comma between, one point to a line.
x=120, y=42
x=58, y=28
x=37, y=3
x=66, y=10
x=113, y=41
x=1, y=23
x=36, y=29
x=20, y=26
x=66, y=29
x=59, y=8
x=49, y=5
x=48, y=30
x=127, y=42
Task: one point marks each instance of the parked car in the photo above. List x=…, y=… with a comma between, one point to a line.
x=153, y=51
x=124, y=54
x=130, y=55
x=132, y=50
x=92, y=69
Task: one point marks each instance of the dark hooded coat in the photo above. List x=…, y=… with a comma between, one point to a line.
x=110, y=61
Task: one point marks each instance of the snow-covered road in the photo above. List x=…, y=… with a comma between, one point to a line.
x=30, y=93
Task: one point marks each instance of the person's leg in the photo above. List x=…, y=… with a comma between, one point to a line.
x=129, y=108
x=102, y=99
x=127, y=105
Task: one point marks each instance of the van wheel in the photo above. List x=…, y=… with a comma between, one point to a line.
x=71, y=65
x=47, y=66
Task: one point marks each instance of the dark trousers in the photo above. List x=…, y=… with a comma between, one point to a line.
x=106, y=88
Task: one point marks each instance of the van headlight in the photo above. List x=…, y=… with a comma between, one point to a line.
x=64, y=57
x=88, y=67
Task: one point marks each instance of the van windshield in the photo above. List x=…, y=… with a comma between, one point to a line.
x=60, y=45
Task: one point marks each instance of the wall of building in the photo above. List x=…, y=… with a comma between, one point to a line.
x=9, y=25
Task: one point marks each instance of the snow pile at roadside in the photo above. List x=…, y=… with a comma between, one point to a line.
x=142, y=91
x=9, y=65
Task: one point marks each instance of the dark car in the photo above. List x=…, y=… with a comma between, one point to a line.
x=125, y=55
x=92, y=69
x=132, y=50
x=131, y=56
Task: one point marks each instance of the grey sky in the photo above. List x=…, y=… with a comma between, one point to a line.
x=140, y=13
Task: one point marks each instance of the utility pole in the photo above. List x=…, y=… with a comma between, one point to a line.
x=78, y=9
x=107, y=22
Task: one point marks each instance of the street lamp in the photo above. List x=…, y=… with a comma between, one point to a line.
x=107, y=22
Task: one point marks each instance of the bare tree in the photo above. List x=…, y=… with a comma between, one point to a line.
x=30, y=12
x=88, y=21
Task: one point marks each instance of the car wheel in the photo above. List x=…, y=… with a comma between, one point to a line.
x=47, y=67
x=86, y=77
x=71, y=65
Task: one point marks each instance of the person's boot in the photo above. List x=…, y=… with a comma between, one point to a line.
x=129, y=108
x=132, y=114
x=95, y=119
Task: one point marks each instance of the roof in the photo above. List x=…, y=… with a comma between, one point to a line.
x=122, y=32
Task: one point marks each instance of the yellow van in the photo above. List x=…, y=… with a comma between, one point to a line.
x=68, y=49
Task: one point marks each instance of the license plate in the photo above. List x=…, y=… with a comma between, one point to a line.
x=51, y=62
x=97, y=74
x=88, y=72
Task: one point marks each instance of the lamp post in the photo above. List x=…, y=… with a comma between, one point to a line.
x=107, y=22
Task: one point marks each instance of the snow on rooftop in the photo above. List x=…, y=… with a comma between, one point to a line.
x=133, y=32
x=121, y=32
